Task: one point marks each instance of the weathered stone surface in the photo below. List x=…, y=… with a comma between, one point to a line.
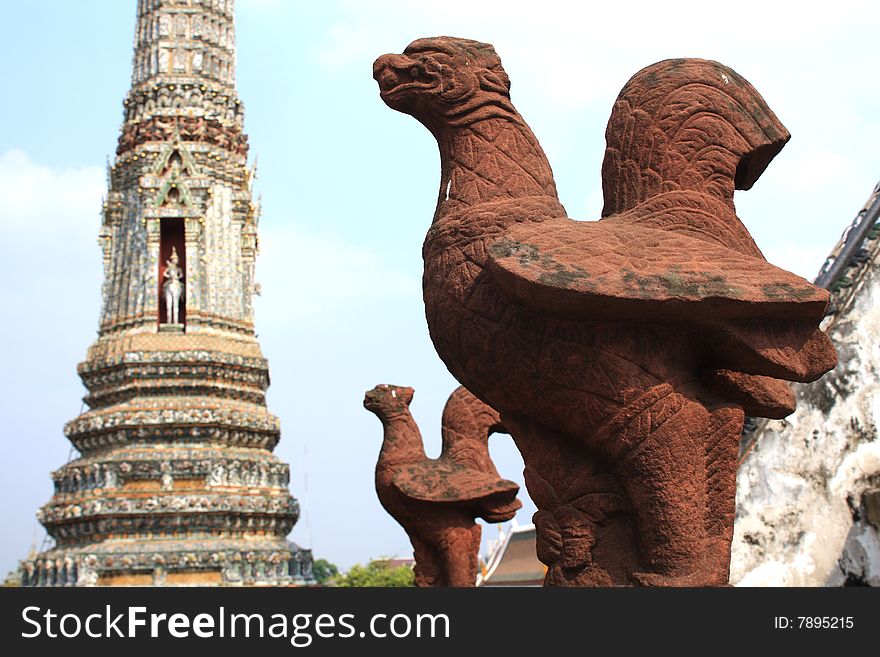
x=175, y=481
x=622, y=270
x=436, y=500
x=619, y=353
x=804, y=490
x=760, y=396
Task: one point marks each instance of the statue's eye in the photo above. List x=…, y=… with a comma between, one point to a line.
x=414, y=72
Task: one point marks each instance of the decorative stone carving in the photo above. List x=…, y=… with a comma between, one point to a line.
x=620, y=353
x=436, y=500
x=190, y=129
x=172, y=288
x=88, y=575
x=217, y=476
x=165, y=406
x=110, y=479
x=166, y=477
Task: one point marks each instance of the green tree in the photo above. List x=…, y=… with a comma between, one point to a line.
x=324, y=571
x=376, y=573
x=12, y=579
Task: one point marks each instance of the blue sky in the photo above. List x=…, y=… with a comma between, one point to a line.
x=348, y=191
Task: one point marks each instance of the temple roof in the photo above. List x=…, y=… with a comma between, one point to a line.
x=514, y=561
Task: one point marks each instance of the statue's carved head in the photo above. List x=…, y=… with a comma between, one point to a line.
x=687, y=123
x=445, y=81
x=387, y=400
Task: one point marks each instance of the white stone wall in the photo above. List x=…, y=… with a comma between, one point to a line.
x=223, y=291
x=130, y=272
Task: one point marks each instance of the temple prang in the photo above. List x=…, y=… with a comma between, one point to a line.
x=176, y=482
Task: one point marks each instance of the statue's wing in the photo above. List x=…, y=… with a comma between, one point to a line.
x=609, y=271
x=601, y=270
x=437, y=481
x=700, y=216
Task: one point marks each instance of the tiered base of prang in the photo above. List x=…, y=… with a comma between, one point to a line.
x=176, y=483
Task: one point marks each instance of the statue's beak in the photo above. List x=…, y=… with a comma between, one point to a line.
x=386, y=72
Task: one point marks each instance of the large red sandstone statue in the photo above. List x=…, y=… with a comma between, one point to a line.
x=436, y=500
x=620, y=353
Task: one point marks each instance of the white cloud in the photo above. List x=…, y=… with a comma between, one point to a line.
x=314, y=278
x=572, y=53
x=41, y=201
x=50, y=224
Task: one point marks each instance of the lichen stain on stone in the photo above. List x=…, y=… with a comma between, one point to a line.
x=562, y=276
x=786, y=291
x=556, y=274
x=503, y=248
x=677, y=283
x=526, y=254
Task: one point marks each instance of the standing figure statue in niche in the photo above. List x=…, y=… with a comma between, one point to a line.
x=621, y=353
x=172, y=288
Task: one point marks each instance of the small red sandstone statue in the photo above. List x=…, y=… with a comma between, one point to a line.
x=436, y=500
x=620, y=353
